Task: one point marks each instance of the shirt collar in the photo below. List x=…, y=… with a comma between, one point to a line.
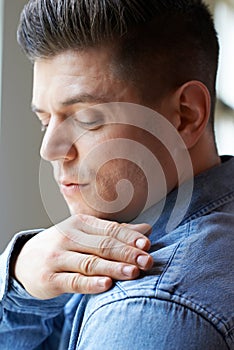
x=208, y=187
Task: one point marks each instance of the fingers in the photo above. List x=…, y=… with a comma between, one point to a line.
x=110, y=249
x=106, y=239
x=144, y=228
x=133, y=235
x=77, y=283
x=91, y=265
x=82, y=254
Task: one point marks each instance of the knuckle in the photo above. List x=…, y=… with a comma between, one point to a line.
x=52, y=258
x=130, y=237
x=55, y=284
x=127, y=254
x=80, y=284
x=47, y=277
x=130, y=234
x=105, y=245
x=79, y=220
x=112, y=229
x=48, y=287
x=64, y=238
x=75, y=282
x=89, y=264
x=64, y=234
x=60, y=236
x=76, y=219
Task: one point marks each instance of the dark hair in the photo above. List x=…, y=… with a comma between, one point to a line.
x=168, y=41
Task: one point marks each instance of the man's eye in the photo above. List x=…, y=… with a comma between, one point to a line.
x=91, y=125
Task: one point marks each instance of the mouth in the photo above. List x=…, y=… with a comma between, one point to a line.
x=71, y=189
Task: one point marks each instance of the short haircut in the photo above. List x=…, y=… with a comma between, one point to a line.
x=168, y=42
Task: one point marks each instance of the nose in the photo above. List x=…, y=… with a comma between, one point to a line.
x=59, y=142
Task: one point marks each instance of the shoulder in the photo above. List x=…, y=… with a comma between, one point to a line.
x=200, y=274
x=189, y=287
x=144, y=322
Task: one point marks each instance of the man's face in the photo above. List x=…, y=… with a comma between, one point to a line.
x=81, y=140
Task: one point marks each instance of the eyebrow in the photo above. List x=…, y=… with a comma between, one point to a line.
x=81, y=98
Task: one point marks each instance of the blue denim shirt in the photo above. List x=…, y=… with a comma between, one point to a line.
x=186, y=302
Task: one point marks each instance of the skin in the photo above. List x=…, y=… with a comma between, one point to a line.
x=85, y=252
x=71, y=78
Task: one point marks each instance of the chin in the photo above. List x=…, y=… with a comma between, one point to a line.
x=124, y=216
x=81, y=208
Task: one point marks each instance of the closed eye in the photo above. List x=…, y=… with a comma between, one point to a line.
x=94, y=125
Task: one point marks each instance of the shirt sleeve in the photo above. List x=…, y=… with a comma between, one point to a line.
x=148, y=324
x=27, y=323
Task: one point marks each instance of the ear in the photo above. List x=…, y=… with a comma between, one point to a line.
x=192, y=101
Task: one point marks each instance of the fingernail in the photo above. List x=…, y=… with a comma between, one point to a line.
x=140, y=243
x=128, y=270
x=142, y=260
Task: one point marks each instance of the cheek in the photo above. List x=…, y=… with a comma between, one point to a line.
x=113, y=172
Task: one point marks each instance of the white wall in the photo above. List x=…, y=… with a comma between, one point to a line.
x=20, y=201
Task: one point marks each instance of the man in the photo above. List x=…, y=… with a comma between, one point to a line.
x=113, y=78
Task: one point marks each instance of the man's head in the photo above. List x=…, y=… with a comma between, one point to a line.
x=158, y=54
x=168, y=42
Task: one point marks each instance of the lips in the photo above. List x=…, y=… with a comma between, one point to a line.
x=69, y=188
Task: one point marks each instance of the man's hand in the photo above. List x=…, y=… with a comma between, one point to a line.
x=82, y=254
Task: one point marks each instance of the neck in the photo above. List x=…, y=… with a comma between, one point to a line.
x=204, y=154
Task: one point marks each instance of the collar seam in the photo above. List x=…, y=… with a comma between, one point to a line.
x=227, y=198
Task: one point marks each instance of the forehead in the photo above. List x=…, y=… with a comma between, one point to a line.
x=71, y=66
x=87, y=72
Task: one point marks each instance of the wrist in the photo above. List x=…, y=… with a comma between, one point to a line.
x=19, y=244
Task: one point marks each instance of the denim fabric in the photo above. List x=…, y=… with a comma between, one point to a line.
x=186, y=301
